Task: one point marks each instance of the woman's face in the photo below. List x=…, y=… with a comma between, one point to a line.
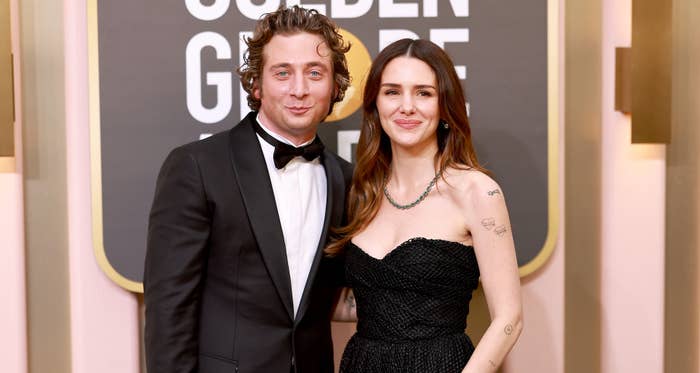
x=407, y=103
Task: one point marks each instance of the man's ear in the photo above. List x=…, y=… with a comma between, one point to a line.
x=256, y=90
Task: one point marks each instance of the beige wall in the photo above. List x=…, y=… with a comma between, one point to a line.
x=682, y=327
x=583, y=138
x=45, y=186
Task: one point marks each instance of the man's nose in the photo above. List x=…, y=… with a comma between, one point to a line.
x=300, y=86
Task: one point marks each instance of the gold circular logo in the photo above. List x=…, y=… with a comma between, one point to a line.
x=359, y=62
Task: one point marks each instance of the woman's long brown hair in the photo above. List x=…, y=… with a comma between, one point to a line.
x=455, y=147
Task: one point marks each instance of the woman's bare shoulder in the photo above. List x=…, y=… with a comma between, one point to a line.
x=474, y=192
x=468, y=182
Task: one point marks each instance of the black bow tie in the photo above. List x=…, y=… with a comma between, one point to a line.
x=285, y=152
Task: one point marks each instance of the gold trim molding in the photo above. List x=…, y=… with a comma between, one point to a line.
x=553, y=103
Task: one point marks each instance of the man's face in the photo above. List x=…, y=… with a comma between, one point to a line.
x=296, y=85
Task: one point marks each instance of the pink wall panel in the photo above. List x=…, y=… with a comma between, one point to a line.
x=104, y=317
x=13, y=326
x=633, y=226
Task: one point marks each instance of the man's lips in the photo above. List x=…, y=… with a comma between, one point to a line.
x=298, y=110
x=407, y=123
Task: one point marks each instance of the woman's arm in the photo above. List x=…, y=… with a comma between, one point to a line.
x=345, y=308
x=490, y=228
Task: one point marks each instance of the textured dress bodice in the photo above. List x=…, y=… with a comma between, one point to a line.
x=412, y=307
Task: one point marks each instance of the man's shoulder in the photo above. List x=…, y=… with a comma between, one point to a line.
x=215, y=143
x=216, y=139
x=212, y=144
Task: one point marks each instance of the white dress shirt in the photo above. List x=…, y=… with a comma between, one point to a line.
x=300, y=195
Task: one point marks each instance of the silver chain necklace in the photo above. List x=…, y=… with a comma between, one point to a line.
x=412, y=204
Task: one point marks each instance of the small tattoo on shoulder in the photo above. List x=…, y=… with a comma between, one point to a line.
x=508, y=329
x=492, y=363
x=492, y=192
x=488, y=223
x=501, y=230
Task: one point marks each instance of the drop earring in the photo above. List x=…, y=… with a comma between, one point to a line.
x=444, y=124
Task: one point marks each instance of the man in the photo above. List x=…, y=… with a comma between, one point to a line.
x=235, y=278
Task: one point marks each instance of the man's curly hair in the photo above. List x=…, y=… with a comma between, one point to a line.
x=288, y=21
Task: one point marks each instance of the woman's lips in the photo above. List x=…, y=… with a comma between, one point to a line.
x=407, y=123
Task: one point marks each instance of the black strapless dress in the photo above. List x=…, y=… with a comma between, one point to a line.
x=412, y=307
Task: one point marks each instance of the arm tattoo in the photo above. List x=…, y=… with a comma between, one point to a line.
x=350, y=300
x=488, y=223
x=508, y=329
x=501, y=230
x=492, y=192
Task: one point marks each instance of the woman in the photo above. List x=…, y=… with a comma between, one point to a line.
x=426, y=221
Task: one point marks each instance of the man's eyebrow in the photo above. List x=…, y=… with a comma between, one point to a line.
x=306, y=65
x=280, y=65
x=316, y=63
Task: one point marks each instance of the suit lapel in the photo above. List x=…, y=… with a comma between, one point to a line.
x=259, y=199
x=334, y=216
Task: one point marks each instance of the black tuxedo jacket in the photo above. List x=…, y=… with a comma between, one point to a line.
x=216, y=282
